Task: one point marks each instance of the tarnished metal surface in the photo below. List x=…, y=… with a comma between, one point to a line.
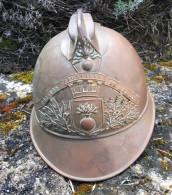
x=90, y=90
x=94, y=159
x=87, y=102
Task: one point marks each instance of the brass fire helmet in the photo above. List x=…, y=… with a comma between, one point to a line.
x=93, y=115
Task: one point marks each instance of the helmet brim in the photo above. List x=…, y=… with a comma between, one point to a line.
x=94, y=159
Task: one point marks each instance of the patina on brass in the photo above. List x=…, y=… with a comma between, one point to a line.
x=93, y=115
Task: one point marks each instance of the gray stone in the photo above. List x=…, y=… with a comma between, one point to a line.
x=24, y=172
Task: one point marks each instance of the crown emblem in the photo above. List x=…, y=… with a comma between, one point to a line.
x=85, y=88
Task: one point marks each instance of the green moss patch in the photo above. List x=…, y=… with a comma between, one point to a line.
x=166, y=122
x=9, y=44
x=82, y=189
x=163, y=153
x=147, y=79
x=166, y=64
x=145, y=71
x=166, y=166
x=161, y=78
x=160, y=110
x=159, y=141
x=9, y=151
x=169, y=122
x=145, y=156
x=25, y=100
x=3, y=97
x=26, y=77
x=11, y=122
x=151, y=67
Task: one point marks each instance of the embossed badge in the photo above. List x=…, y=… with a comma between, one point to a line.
x=89, y=111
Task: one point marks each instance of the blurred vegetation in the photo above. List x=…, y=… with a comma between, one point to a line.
x=27, y=25
x=8, y=44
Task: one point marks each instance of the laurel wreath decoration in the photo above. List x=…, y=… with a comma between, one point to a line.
x=119, y=112
x=55, y=115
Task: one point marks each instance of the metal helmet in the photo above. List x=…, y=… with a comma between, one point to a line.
x=93, y=115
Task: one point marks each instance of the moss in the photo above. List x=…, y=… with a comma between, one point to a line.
x=160, y=110
x=9, y=117
x=142, y=182
x=12, y=105
x=169, y=122
x=161, y=78
x=11, y=122
x=166, y=122
x=166, y=166
x=147, y=79
x=151, y=67
x=12, y=125
x=82, y=189
x=9, y=151
x=3, y=97
x=164, y=153
x=9, y=44
x=25, y=100
x=26, y=77
x=166, y=64
x=145, y=156
x=159, y=141
x=100, y=185
x=145, y=71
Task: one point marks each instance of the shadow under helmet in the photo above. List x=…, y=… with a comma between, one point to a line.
x=92, y=115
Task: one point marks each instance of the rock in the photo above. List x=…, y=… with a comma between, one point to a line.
x=14, y=88
x=24, y=172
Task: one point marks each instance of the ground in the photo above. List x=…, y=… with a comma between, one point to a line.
x=24, y=172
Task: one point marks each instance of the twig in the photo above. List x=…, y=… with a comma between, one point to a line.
x=94, y=186
x=71, y=185
x=27, y=112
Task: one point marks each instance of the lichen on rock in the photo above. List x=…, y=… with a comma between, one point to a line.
x=153, y=67
x=2, y=97
x=161, y=78
x=166, y=64
x=15, y=104
x=83, y=189
x=26, y=76
x=11, y=122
